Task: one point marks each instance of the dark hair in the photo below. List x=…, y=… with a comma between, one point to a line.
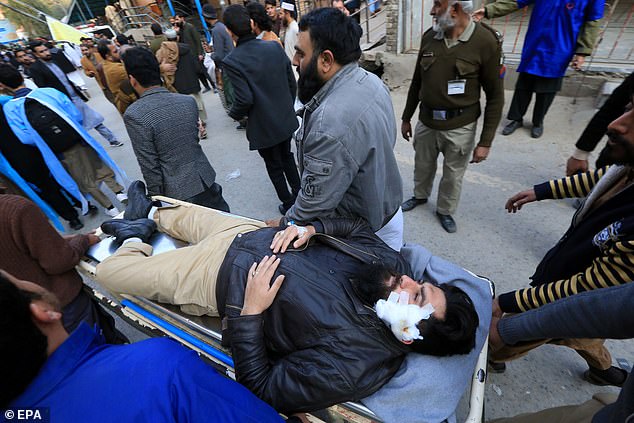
x=456, y=334
x=236, y=18
x=271, y=2
x=103, y=48
x=257, y=12
x=156, y=29
x=330, y=29
x=10, y=76
x=122, y=39
x=140, y=63
x=22, y=343
x=36, y=43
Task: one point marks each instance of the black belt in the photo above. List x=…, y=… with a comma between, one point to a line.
x=444, y=114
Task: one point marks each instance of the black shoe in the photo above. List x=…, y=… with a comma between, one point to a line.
x=92, y=210
x=613, y=376
x=139, y=204
x=75, y=224
x=123, y=229
x=413, y=202
x=206, y=90
x=511, y=127
x=537, y=131
x=447, y=222
x=241, y=127
x=495, y=367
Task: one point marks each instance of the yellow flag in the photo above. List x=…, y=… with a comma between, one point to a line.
x=62, y=32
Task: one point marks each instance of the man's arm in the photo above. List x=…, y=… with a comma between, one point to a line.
x=613, y=107
x=576, y=186
x=493, y=86
x=142, y=139
x=612, y=268
x=329, y=170
x=305, y=380
x=198, y=48
x=54, y=253
x=503, y=7
x=412, y=98
x=243, y=97
x=593, y=314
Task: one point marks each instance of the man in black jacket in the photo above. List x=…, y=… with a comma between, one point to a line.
x=47, y=72
x=264, y=87
x=309, y=342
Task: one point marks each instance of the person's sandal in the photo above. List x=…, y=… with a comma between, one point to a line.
x=614, y=376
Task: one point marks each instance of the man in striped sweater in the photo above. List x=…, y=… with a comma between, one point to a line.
x=596, y=252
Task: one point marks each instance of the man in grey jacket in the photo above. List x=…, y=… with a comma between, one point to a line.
x=164, y=134
x=223, y=45
x=346, y=140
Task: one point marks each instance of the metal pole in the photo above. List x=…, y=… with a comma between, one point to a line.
x=171, y=6
x=88, y=8
x=202, y=20
x=367, y=22
x=22, y=12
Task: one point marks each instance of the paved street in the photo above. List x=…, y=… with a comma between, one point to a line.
x=490, y=242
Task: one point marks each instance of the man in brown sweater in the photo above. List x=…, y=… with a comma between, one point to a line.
x=457, y=59
x=31, y=249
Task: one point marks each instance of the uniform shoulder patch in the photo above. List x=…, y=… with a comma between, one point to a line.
x=497, y=34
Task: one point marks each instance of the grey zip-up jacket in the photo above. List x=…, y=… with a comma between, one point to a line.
x=345, y=151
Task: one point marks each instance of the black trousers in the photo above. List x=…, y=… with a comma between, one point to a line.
x=51, y=193
x=83, y=308
x=204, y=77
x=545, y=90
x=281, y=167
x=211, y=197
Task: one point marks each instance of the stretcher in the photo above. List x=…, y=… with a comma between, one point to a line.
x=203, y=333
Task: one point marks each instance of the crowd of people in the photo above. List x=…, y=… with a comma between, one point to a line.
x=326, y=303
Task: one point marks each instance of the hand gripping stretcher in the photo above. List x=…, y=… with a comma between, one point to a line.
x=203, y=333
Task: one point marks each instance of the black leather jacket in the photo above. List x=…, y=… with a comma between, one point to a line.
x=318, y=344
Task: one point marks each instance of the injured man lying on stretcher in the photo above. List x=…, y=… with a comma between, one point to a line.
x=327, y=321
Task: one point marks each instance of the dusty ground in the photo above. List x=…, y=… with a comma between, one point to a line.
x=489, y=241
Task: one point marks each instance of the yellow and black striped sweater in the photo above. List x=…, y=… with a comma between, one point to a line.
x=596, y=252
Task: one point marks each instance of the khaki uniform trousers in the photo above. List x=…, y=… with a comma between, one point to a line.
x=187, y=276
x=581, y=413
x=456, y=146
x=88, y=171
x=592, y=350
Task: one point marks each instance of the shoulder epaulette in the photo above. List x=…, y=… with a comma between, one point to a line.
x=497, y=34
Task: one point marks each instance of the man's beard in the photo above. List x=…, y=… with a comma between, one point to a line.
x=444, y=22
x=620, y=151
x=309, y=83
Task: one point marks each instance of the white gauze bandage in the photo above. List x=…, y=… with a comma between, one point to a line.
x=402, y=317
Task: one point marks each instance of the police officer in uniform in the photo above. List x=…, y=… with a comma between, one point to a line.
x=457, y=57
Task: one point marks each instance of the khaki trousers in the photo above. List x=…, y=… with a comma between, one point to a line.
x=592, y=350
x=88, y=171
x=456, y=146
x=581, y=413
x=202, y=112
x=185, y=277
